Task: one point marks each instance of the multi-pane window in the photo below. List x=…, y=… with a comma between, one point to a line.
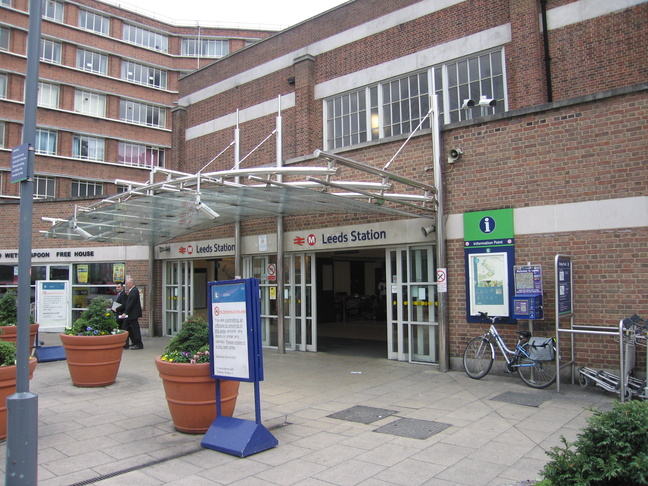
x=53, y=10
x=140, y=155
x=87, y=148
x=145, y=38
x=205, y=47
x=3, y=85
x=4, y=39
x=48, y=95
x=142, y=114
x=89, y=103
x=86, y=189
x=2, y=134
x=94, y=22
x=43, y=187
x=46, y=141
x=398, y=106
x=146, y=75
x=50, y=51
x=92, y=61
x=6, y=2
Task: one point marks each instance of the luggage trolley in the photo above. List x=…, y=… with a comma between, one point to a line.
x=635, y=331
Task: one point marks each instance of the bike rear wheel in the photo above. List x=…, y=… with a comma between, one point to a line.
x=536, y=374
x=478, y=357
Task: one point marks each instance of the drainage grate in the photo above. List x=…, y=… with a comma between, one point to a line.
x=363, y=415
x=413, y=428
x=525, y=399
x=135, y=468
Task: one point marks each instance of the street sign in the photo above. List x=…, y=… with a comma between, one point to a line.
x=20, y=163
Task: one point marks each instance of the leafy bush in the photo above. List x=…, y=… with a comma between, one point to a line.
x=611, y=451
x=97, y=320
x=190, y=344
x=9, y=309
x=7, y=353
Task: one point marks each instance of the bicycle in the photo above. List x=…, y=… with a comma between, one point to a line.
x=480, y=353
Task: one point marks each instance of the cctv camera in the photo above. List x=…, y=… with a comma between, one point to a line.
x=454, y=155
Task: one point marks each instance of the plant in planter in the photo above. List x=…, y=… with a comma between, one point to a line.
x=8, y=380
x=94, y=345
x=190, y=390
x=9, y=319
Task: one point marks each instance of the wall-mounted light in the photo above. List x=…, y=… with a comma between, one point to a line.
x=428, y=230
x=206, y=210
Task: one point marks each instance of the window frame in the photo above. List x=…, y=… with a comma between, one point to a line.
x=96, y=105
x=79, y=185
x=5, y=39
x=202, y=47
x=98, y=62
x=94, y=147
x=145, y=38
x=51, y=135
x=56, y=51
x=142, y=114
x=3, y=131
x=58, y=10
x=46, y=183
x=152, y=156
x=138, y=73
x=47, y=92
x=94, y=22
x=4, y=83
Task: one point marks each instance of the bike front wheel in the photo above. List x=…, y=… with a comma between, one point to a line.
x=536, y=374
x=478, y=357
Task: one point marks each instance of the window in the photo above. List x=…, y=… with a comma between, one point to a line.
x=6, y=2
x=398, y=106
x=2, y=134
x=46, y=141
x=48, y=95
x=141, y=114
x=88, y=103
x=43, y=187
x=145, y=38
x=92, y=61
x=4, y=39
x=53, y=10
x=86, y=189
x=3, y=85
x=94, y=22
x=205, y=47
x=50, y=51
x=87, y=148
x=140, y=155
x=146, y=75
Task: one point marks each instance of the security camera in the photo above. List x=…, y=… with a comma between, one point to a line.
x=467, y=104
x=454, y=155
x=485, y=102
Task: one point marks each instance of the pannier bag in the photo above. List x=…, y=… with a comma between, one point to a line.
x=542, y=349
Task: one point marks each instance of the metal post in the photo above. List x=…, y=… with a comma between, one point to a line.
x=22, y=407
x=281, y=345
x=444, y=357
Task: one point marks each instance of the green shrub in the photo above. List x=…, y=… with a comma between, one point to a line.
x=611, y=451
x=7, y=353
x=193, y=336
x=97, y=320
x=9, y=309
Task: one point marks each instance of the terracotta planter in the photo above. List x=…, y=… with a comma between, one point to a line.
x=94, y=360
x=9, y=334
x=8, y=388
x=191, y=395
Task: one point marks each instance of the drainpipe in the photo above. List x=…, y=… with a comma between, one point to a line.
x=547, y=57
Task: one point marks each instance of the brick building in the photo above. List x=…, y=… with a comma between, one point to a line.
x=542, y=127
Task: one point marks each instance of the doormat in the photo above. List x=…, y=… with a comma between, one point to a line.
x=526, y=399
x=362, y=414
x=412, y=428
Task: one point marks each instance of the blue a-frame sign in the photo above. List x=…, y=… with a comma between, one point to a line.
x=236, y=354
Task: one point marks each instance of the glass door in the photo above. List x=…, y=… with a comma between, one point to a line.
x=411, y=311
x=178, y=294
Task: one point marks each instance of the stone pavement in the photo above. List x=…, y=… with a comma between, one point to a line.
x=340, y=420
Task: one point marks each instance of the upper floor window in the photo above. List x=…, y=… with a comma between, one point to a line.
x=4, y=39
x=46, y=141
x=6, y=2
x=2, y=134
x=92, y=61
x=398, y=106
x=94, y=22
x=205, y=47
x=53, y=10
x=87, y=148
x=51, y=51
x=142, y=74
x=89, y=103
x=140, y=155
x=44, y=187
x=142, y=114
x=145, y=38
x=48, y=95
x=86, y=189
x=3, y=85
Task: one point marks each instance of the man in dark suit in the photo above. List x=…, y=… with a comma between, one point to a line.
x=132, y=313
x=120, y=302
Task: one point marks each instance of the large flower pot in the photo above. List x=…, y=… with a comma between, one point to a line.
x=191, y=395
x=9, y=334
x=94, y=360
x=8, y=388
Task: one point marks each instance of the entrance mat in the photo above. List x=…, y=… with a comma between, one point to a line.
x=413, y=428
x=363, y=415
x=525, y=399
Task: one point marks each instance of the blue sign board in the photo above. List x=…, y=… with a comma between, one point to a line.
x=20, y=163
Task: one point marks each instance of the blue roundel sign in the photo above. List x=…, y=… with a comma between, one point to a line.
x=487, y=224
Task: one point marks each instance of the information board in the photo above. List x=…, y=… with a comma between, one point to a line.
x=53, y=311
x=564, y=286
x=528, y=279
